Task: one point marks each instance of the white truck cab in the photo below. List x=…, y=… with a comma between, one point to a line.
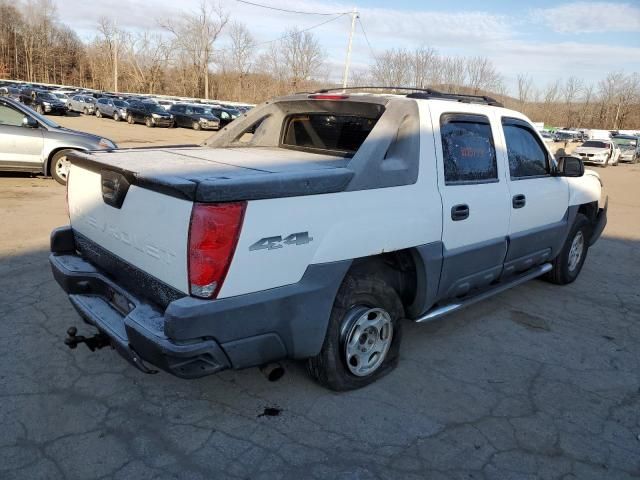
x=312, y=227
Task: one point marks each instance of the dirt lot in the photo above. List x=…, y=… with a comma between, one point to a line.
x=541, y=382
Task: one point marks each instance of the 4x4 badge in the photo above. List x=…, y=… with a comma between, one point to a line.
x=272, y=243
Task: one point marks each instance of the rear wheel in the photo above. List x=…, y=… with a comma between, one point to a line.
x=130, y=119
x=116, y=117
x=568, y=264
x=363, y=336
x=59, y=167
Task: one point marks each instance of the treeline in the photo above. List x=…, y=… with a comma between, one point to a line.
x=207, y=54
x=182, y=56
x=611, y=103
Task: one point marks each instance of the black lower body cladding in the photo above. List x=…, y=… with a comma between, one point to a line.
x=193, y=337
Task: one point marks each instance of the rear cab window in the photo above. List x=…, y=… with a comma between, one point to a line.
x=468, y=149
x=338, y=134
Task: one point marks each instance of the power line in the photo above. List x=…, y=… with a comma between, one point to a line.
x=366, y=38
x=306, y=29
x=339, y=15
x=288, y=11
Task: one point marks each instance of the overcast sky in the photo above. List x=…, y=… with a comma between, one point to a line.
x=545, y=39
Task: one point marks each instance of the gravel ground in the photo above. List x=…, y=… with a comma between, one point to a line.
x=541, y=382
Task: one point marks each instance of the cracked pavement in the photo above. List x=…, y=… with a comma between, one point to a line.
x=541, y=382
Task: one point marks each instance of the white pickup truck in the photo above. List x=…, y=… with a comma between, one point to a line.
x=312, y=226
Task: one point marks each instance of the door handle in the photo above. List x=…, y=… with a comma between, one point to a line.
x=459, y=212
x=519, y=201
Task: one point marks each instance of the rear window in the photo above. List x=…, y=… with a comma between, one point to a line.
x=595, y=144
x=324, y=132
x=468, y=149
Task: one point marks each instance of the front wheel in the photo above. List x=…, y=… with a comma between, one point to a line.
x=363, y=337
x=568, y=264
x=116, y=117
x=148, y=123
x=60, y=166
x=40, y=110
x=130, y=119
x=98, y=114
x=195, y=126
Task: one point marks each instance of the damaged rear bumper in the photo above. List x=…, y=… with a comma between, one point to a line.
x=134, y=327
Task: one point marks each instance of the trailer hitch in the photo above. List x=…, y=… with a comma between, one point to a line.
x=96, y=342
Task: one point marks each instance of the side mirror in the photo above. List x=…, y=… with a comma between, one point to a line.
x=570, y=167
x=29, y=122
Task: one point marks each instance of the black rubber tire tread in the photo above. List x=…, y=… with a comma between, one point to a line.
x=328, y=367
x=560, y=274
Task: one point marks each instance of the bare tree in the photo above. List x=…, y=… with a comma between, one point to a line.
x=195, y=35
x=481, y=75
x=302, y=55
x=525, y=84
x=392, y=68
x=572, y=88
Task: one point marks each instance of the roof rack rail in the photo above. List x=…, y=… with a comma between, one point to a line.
x=412, y=89
x=459, y=97
x=427, y=93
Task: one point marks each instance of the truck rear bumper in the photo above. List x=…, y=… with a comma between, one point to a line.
x=137, y=334
x=193, y=337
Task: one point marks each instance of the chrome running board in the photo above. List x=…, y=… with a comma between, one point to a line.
x=443, y=310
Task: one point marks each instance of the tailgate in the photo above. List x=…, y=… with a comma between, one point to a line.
x=149, y=231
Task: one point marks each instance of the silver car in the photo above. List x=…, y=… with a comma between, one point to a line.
x=82, y=103
x=30, y=142
x=111, y=107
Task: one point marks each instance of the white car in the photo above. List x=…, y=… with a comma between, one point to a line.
x=599, y=152
x=312, y=227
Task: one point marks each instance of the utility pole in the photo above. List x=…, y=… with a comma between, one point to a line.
x=347, y=63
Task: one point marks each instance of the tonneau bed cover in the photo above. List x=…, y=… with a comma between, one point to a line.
x=223, y=174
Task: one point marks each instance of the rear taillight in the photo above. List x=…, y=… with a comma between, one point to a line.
x=213, y=235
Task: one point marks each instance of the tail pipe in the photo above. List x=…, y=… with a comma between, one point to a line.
x=273, y=371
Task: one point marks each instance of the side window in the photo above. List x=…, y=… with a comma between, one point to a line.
x=188, y=110
x=11, y=117
x=468, y=149
x=527, y=157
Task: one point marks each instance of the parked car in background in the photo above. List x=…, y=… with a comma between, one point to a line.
x=166, y=104
x=629, y=147
x=11, y=92
x=598, y=152
x=63, y=97
x=225, y=115
x=82, y=103
x=111, y=107
x=151, y=114
x=30, y=142
x=546, y=136
x=43, y=102
x=598, y=134
x=194, y=116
